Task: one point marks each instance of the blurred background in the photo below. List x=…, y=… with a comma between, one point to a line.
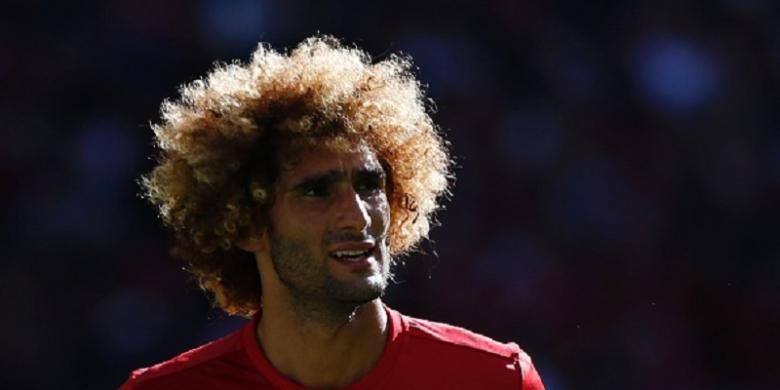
x=615, y=212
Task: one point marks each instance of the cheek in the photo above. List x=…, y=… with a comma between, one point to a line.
x=380, y=214
x=299, y=224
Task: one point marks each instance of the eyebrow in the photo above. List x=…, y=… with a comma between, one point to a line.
x=335, y=175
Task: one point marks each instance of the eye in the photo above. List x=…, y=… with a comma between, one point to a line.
x=370, y=185
x=316, y=190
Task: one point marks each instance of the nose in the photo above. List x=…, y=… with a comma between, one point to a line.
x=352, y=211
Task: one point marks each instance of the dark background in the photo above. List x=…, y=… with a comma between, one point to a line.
x=615, y=212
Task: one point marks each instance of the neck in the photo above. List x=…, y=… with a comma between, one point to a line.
x=322, y=347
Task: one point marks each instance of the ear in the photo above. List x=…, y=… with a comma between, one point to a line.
x=257, y=242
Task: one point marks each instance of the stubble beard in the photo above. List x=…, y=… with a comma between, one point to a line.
x=314, y=293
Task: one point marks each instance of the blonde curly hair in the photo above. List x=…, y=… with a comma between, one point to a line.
x=220, y=146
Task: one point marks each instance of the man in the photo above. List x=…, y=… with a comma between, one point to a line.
x=291, y=182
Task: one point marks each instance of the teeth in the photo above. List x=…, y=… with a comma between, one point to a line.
x=349, y=253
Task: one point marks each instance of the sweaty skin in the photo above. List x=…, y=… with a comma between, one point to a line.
x=323, y=324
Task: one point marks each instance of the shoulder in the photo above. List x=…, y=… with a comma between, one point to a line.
x=476, y=354
x=454, y=338
x=189, y=367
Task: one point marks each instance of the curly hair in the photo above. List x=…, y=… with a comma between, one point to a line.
x=219, y=147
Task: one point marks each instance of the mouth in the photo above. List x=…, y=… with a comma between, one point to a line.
x=353, y=253
x=350, y=255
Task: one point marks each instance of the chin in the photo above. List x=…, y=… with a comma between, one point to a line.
x=358, y=295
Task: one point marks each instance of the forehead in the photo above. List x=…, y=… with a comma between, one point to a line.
x=314, y=160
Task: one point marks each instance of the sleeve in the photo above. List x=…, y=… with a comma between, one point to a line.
x=530, y=379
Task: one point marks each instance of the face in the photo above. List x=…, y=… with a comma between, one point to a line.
x=329, y=222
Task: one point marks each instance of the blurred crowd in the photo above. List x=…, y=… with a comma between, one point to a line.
x=615, y=210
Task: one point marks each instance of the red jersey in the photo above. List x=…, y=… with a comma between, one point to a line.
x=419, y=354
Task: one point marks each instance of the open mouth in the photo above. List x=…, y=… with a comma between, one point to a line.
x=352, y=255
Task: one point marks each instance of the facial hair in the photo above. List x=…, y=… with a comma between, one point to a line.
x=314, y=291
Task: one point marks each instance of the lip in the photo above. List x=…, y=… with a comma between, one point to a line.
x=362, y=264
x=353, y=246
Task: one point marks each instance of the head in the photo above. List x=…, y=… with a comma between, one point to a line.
x=239, y=151
x=325, y=246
